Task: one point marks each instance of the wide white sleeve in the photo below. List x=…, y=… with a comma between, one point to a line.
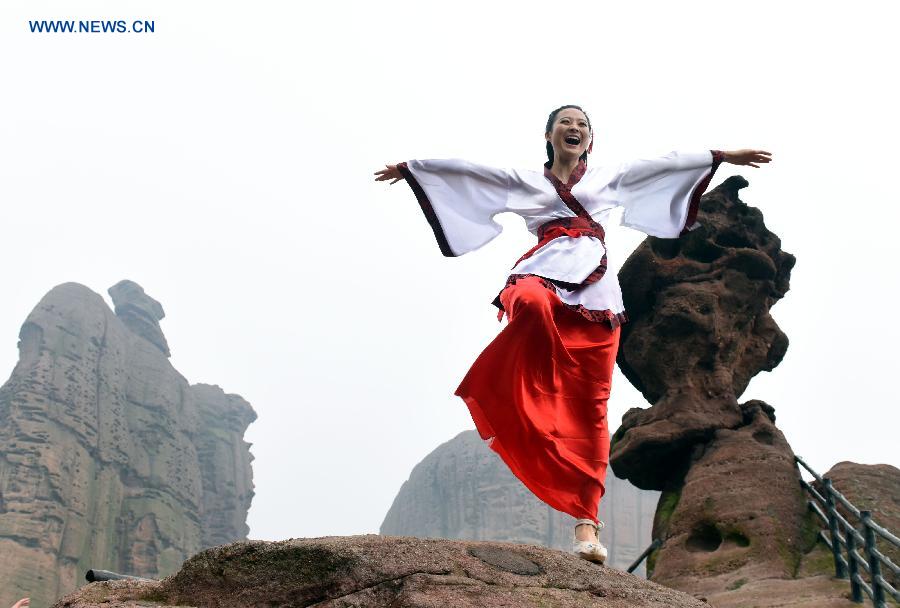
x=661, y=196
x=459, y=200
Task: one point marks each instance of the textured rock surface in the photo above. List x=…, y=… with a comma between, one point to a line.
x=108, y=457
x=139, y=312
x=700, y=329
x=224, y=460
x=740, y=509
x=730, y=591
x=377, y=571
x=875, y=488
x=462, y=490
x=732, y=516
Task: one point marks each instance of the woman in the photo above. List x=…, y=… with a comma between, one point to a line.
x=538, y=392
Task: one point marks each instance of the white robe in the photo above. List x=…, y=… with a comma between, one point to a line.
x=659, y=197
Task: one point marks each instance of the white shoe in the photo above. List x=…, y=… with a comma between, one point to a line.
x=592, y=551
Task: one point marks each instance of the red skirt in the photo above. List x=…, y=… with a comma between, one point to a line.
x=538, y=394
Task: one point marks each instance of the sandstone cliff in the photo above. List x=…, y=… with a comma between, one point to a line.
x=462, y=490
x=108, y=457
x=378, y=571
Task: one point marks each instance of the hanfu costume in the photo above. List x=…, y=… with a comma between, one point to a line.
x=538, y=392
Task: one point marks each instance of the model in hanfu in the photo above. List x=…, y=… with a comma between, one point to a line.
x=538, y=392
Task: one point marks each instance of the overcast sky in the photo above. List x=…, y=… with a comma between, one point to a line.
x=225, y=162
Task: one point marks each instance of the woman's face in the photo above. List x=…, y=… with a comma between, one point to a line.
x=570, y=135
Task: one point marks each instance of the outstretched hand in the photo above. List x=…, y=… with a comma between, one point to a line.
x=22, y=603
x=389, y=172
x=748, y=157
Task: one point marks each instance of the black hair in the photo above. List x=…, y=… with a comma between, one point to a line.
x=551, y=119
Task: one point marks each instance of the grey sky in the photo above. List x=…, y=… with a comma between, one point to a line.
x=225, y=163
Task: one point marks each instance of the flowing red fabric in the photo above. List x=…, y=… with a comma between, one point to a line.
x=538, y=392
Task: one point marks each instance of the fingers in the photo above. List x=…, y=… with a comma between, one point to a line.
x=751, y=158
x=389, y=172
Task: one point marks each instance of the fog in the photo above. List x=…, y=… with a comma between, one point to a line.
x=224, y=162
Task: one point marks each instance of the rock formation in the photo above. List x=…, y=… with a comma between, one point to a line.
x=377, y=571
x=875, y=488
x=139, y=312
x=740, y=508
x=732, y=512
x=108, y=457
x=700, y=329
x=462, y=490
x=224, y=460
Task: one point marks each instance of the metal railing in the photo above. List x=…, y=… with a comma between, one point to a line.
x=656, y=544
x=842, y=535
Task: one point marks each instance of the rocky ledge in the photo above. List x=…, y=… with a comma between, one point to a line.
x=372, y=570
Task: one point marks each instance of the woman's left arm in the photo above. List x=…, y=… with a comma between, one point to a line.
x=661, y=196
x=747, y=156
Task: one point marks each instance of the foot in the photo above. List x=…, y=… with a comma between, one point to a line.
x=587, y=542
x=592, y=551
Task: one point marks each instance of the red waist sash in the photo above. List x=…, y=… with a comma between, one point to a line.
x=572, y=227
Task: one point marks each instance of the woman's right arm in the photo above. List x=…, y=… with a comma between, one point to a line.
x=459, y=199
x=390, y=172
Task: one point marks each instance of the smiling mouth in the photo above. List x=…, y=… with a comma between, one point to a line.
x=572, y=140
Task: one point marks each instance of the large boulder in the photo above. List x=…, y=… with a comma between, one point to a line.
x=699, y=330
x=376, y=571
x=740, y=511
x=732, y=518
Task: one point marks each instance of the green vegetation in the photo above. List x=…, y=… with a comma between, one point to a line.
x=736, y=584
x=156, y=596
x=651, y=562
x=736, y=537
x=668, y=500
x=809, y=533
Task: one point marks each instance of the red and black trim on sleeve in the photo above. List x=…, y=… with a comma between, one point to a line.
x=428, y=210
x=694, y=206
